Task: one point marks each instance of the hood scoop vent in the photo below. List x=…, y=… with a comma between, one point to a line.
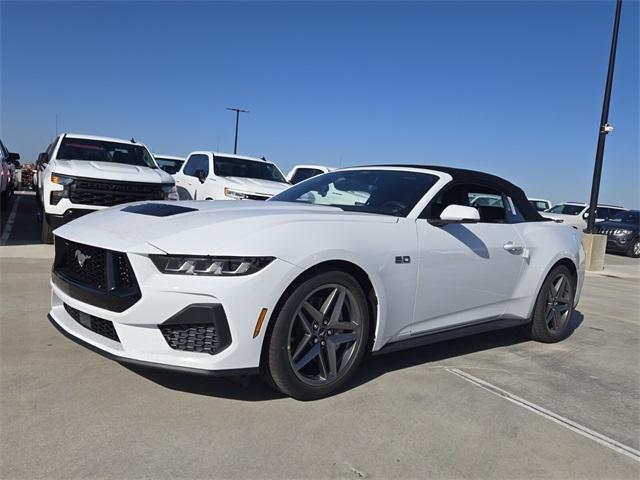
x=158, y=209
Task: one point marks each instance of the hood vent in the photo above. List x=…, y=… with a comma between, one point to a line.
x=158, y=209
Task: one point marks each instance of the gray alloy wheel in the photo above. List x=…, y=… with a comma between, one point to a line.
x=559, y=303
x=323, y=336
x=318, y=336
x=634, y=249
x=554, y=307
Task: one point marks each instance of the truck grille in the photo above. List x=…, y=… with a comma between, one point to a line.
x=258, y=197
x=97, y=276
x=95, y=324
x=86, y=191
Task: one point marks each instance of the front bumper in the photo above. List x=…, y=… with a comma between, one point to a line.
x=619, y=244
x=141, y=342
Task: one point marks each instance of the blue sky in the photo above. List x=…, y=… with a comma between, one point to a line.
x=513, y=88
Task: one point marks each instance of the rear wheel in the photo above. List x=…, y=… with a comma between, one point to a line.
x=554, y=307
x=634, y=249
x=319, y=337
x=45, y=235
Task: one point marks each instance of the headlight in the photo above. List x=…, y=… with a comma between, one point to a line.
x=622, y=232
x=170, y=191
x=61, y=179
x=217, y=266
x=234, y=194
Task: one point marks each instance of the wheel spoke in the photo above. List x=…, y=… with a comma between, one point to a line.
x=342, y=338
x=345, y=326
x=305, y=323
x=315, y=314
x=301, y=346
x=324, y=369
x=556, y=319
x=558, y=287
x=549, y=317
x=562, y=308
x=337, y=308
x=328, y=301
x=332, y=361
x=310, y=355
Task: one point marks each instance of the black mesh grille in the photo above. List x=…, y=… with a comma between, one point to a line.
x=97, y=276
x=201, y=338
x=108, y=193
x=95, y=324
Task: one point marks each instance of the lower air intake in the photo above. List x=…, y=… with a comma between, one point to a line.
x=95, y=324
x=202, y=338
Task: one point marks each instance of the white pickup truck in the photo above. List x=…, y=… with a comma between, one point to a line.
x=222, y=176
x=79, y=174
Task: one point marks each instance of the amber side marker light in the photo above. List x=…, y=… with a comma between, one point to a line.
x=263, y=314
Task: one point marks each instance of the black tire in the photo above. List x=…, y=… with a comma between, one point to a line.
x=45, y=235
x=634, y=249
x=551, y=322
x=4, y=200
x=298, y=327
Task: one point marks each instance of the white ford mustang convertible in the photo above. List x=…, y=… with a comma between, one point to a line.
x=299, y=288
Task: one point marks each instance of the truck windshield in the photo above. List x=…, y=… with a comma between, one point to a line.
x=105, y=151
x=566, y=209
x=238, y=167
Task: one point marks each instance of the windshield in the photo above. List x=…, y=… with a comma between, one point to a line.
x=238, y=167
x=626, y=217
x=386, y=192
x=566, y=209
x=169, y=165
x=105, y=151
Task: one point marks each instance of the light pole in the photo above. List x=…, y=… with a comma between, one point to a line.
x=237, y=110
x=605, y=128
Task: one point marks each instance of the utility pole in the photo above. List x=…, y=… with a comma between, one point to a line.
x=238, y=111
x=605, y=128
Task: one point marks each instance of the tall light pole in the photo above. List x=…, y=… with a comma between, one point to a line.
x=237, y=110
x=605, y=128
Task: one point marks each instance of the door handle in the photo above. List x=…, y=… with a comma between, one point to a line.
x=513, y=248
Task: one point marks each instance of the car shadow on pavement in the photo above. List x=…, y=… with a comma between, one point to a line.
x=252, y=389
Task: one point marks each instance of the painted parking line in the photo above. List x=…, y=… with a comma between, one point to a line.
x=554, y=417
x=12, y=218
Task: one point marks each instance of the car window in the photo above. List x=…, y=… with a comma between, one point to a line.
x=492, y=205
x=303, y=173
x=385, y=192
x=566, y=209
x=624, y=216
x=539, y=205
x=197, y=165
x=169, y=165
x=240, y=167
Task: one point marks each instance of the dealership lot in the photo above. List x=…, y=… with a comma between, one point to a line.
x=487, y=406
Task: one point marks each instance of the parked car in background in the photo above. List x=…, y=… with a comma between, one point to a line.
x=300, y=292
x=623, y=232
x=540, y=204
x=575, y=213
x=223, y=176
x=79, y=174
x=8, y=164
x=300, y=173
x=169, y=164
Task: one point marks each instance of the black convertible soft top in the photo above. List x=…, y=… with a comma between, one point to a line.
x=462, y=176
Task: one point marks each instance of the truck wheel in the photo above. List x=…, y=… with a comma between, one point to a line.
x=46, y=236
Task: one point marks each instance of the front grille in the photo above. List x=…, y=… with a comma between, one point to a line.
x=95, y=324
x=202, y=338
x=108, y=193
x=97, y=276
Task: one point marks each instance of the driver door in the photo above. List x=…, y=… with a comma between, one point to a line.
x=188, y=181
x=467, y=271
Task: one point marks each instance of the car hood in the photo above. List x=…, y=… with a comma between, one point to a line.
x=110, y=171
x=254, y=185
x=562, y=216
x=207, y=227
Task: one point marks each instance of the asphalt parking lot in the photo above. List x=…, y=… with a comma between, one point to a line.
x=492, y=405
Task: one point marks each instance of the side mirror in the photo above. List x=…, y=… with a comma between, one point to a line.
x=14, y=157
x=43, y=158
x=202, y=176
x=457, y=214
x=585, y=215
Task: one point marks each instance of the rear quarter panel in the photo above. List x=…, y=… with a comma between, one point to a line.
x=547, y=244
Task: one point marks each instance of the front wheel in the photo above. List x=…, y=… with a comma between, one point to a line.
x=634, y=249
x=319, y=337
x=554, y=307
